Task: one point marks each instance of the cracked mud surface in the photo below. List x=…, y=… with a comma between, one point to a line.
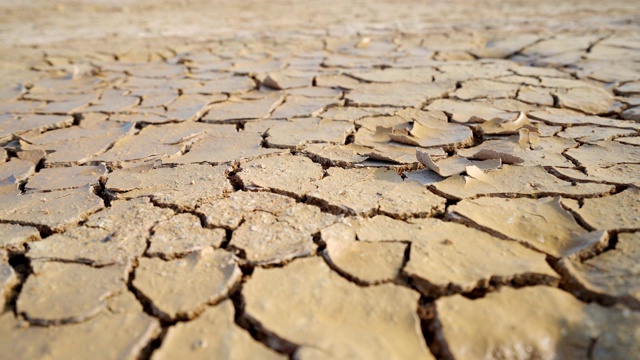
x=320, y=180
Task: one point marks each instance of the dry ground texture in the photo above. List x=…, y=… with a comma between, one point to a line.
x=320, y=180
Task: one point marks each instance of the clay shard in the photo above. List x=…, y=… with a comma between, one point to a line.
x=542, y=224
x=365, y=262
x=612, y=274
x=605, y=153
x=623, y=174
x=8, y=279
x=429, y=134
x=16, y=169
x=526, y=149
x=61, y=293
x=15, y=236
x=50, y=179
x=301, y=106
x=296, y=133
x=53, y=211
x=265, y=238
x=366, y=191
x=229, y=212
x=153, y=142
x=590, y=133
x=619, y=212
x=113, y=235
x=557, y=325
x=516, y=181
x=382, y=318
x=198, y=280
x=181, y=235
x=184, y=187
x=444, y=260
x=397, y=94
x=119, y=335
x=236, y=109
x=212, y=335
x=591, y=100
x=285, y=174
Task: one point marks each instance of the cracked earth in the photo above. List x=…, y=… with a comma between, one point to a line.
x=320, y=180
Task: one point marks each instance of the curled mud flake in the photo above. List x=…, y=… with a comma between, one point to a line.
x=481, y=88
x=296, y=133
x=499, y=126
x=455, y=164
x=213, y=335
x=113, y=235
x=590, y=133
x=236, y=109
x=31, y=123
x=541, y=224
x=61, y=293
x=286, y=80
x=112, y=335
x=616, y=212
x=605, y=153
x=622, y=174
x=229, y=212
x=366, y=191
x=613, y=275
x=517, y=181
x=286, y=174
x=348, y=320
x=336, y=155
x=267, y=238
x=182, y=234
x=54, y=211
x=198, y=280
x=558, y=325
x=301, y=106
x=365, y=262
x=15, y=236
x=469, y=112
x=18, y=169
x=182, y=187
x=526, y=149
x=444, y=260
x=63, y=178
x=431, y=134
x=397, y=94
x=590, y=100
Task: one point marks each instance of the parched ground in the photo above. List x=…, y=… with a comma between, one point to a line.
x=319, y=179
